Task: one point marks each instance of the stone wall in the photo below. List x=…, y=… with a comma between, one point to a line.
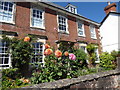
x=106, y=80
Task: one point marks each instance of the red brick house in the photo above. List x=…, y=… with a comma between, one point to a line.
x=47, y=21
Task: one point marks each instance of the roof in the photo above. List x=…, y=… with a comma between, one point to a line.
x=73, y=14
x=107, y=17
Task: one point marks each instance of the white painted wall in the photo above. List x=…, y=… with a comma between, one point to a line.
x=109, y=33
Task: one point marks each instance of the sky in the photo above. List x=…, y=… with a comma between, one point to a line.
x=91, y=10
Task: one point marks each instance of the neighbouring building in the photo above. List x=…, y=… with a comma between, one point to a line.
x=49, y=22
x=109, y=29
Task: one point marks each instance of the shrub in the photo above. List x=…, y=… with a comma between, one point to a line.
x=10, y=79
x=106, y=60
x=115, y=55
x=92, y=55
x=21, y=52
x=11, y=73
x=81, y=57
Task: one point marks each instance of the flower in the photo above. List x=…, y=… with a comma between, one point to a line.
x=47, y=46
x=26, y=80
x=72, y=56
x=48, y=52
x=58, y=53
x=27, y=39
x=66, y=53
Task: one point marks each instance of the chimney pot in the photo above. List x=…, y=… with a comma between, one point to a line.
x=110, y=8
x=108, y=2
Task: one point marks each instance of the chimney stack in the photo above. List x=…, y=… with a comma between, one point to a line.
x=110, y=8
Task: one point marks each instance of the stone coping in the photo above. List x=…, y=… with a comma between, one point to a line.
x=67, y=82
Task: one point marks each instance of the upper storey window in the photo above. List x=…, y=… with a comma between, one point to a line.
x=93, y=32
x=71, y=8
x=6, y=11
x=62, y=24
x=37, y=19
x=81, y=31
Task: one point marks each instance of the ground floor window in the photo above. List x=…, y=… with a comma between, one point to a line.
x=5, y=60
x=83, y=47
x=38, y=50
x=97, y=56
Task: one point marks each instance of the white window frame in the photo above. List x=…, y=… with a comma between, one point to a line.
x=94, y=32
x=83, y=30
x=13, y=14
x=33, y=7
x=43, y=48
x=61, y=31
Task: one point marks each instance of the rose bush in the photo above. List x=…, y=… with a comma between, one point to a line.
x=58, y=65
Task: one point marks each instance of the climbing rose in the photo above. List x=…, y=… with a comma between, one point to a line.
x=27, y=39
x=47, y=46
x=66, y=53
x=48, y=52
x=58, y=53
x=72, y=56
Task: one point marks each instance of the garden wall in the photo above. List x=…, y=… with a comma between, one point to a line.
x=108, y=79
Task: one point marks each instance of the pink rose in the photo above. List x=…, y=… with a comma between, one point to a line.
x=72, y=56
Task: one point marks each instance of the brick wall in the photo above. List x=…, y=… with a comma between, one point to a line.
x=22, y=26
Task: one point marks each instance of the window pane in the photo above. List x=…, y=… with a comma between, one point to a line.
x=6, y=60
x=10, y=5
x=6, y=4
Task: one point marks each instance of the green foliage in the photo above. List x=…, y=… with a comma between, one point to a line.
x=91, y=52
x=81, y=57
x=8, y=83
x=115, y=55
x=106, y=61
x=91, y=48
x=10, y=78
x=21, y=52
x=59, y=68
x=11, y=73
x=66, y=46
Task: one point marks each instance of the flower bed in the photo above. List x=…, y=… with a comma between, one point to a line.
x=59, y=64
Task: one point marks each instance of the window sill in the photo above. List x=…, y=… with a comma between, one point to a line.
x=93, y=38
x=81, y=36
x=42, y=28
x=63, y=32
x=12, y=23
